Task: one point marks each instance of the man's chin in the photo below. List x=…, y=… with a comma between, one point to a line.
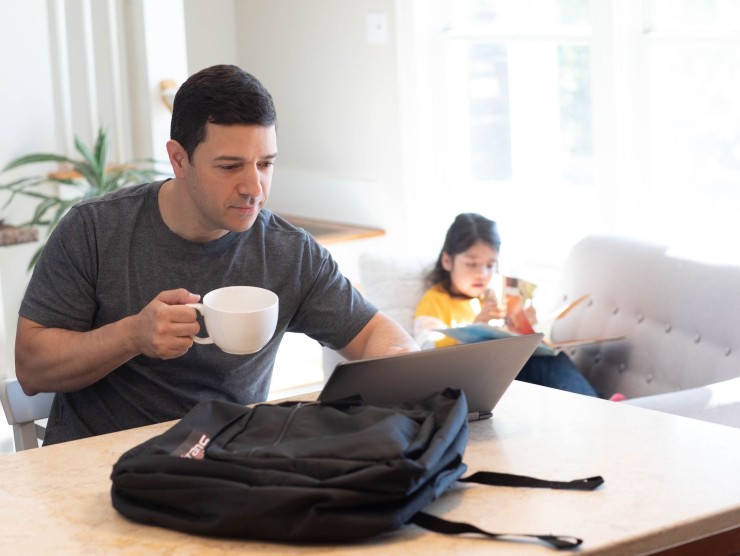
x=244, y=225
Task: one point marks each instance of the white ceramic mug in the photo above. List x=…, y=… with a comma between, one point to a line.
x=238, y=319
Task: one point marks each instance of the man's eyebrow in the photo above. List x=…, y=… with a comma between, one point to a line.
x=231, y=158
x=226, y=157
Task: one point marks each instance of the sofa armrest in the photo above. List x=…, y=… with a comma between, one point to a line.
x=716, y=403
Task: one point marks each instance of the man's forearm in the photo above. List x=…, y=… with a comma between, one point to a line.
x=381, y=336
x=58, y=360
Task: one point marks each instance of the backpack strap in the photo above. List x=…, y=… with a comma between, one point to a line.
x=491, y=478
x=446, y=527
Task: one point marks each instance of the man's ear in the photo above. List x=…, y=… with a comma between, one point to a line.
x=446, y=261
x=178, y=158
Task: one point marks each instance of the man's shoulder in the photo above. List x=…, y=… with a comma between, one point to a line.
x=129, y=194
x=281, y=230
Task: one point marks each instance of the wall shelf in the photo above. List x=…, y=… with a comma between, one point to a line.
x=12, y=235
x=327, y=232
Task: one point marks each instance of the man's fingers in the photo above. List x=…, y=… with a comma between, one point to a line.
x=179, y=296
x=182, y=330
x=182, y=314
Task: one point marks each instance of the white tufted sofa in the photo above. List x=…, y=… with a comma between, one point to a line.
x=680, y=318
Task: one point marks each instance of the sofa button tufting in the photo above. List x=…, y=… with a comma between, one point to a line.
x=697, y=339
x=668, y=328
x=615, y=310
x=589, y=302
x=622, y=367
x=597, y=359
x=640, y=318
x=649, y=378
x=728, y=351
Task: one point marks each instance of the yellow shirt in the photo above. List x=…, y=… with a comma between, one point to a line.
x=438, y=309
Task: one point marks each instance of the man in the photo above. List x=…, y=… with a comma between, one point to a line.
x=103, y=322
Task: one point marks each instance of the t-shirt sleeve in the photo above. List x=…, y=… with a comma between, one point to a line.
x=431, y=316
x=61, y=291
x=332, y=312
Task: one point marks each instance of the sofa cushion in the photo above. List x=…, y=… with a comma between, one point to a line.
x=680, y=316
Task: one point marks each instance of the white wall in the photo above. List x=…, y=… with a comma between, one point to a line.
x=27, y=116
x=211, y=30
x=68, y=67
x=26, y=100
x=339, y=134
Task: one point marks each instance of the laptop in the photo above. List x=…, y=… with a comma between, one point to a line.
x=483, y=370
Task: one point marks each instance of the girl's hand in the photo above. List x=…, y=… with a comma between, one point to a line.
x=490, y=308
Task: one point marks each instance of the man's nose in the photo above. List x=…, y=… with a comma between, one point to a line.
x=249, y=183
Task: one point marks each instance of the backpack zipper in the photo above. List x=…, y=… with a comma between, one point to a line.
x=284, y=429
x=287, y=423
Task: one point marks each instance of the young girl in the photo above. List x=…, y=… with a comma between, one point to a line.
x=458, y=295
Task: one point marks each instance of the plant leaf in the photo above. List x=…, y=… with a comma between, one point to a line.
x=102, y=145
x=90, y=168
x=36, y=158
x=95, y=179
x=82, y=149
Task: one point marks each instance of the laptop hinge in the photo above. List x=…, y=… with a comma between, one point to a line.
x=480, y=415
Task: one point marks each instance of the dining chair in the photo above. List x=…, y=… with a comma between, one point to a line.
x=23, y=411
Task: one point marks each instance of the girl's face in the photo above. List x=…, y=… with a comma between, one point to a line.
x=471, y=271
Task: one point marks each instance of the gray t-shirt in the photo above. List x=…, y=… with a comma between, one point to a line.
x=110, y=256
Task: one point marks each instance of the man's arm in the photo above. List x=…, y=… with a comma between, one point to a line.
x=59, y=360
x=380, y=336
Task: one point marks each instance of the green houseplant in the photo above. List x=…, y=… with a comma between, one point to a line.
x=89, y=176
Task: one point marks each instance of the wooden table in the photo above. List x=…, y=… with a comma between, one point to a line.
x=669, y=481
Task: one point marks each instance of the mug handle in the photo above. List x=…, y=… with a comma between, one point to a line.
x=197, y=339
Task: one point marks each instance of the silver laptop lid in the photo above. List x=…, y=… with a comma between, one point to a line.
x=483, y=370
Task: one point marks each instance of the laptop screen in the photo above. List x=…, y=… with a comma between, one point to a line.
x=483, y=370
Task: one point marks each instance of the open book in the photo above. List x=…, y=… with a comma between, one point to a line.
x=478, y=332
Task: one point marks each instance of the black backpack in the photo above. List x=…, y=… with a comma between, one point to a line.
x=308, y=472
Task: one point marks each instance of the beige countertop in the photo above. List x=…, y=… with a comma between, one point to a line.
x=668, y=480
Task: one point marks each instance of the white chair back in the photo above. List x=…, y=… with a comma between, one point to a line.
x=23, y=411
x=394, y=283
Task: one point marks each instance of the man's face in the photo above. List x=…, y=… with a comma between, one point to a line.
x=228, y=178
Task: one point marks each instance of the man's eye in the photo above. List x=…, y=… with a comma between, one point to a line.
x=229, y=167
x=266, y=163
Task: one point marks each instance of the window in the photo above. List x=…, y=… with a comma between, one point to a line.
x=519, y=77
x=526, y=71
x=693, y=56
x=569, y=117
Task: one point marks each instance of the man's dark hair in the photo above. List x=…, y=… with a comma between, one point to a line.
x=223, y=95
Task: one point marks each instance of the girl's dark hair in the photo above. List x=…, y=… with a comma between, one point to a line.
x=224, y=95
x=467, y=229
